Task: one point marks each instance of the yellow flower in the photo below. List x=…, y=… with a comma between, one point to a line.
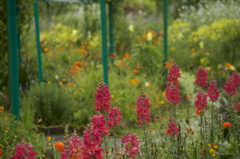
x=6, y=131
x=112, y=96
x=149, y=36
x=60, y=83
x=213, y=154
x=212, y=151
x=49, y=138
x=1, y=108
x=15, y=135
x=131, y=28
x=49, y=82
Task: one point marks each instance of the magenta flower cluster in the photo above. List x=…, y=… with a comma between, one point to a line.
x=143, y=108
x=103, y=98
x=201, y=77
x=201, y=101
x=172, y=91
x=212, y=92
x=131, y=142
x=172, y=128
x=232, y=83
x=100, y=124
x=114, y=117
x=24, y=150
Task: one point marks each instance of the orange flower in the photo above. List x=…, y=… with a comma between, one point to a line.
x=167, y=65
x=127, y=56
x=119, y=154
x=188, y=96
x=70, y=71
x=59, y=145
x=226, y=125
x=199, y=112
x=122, y=60
x=0, y=152
x=135, y=71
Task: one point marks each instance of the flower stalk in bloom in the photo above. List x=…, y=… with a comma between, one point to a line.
x=172, y=128
x=24, y=150
x=201, y=101
x=114, y=117
x=91, y=148
x=232, y=83
x=99, y=124
x=201, y=77
x=103, y=98
x=143, y=108
x=212, y=92
x=172, y=91
x=131, y=142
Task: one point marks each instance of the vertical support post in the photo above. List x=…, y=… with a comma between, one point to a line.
x=13, y=57
x=104, y=41
x=40, y=77
x=165, y=33
x=85, y=20
x=111, y=28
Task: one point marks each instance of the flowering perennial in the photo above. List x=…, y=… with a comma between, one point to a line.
x=99, y=124
x=232, y=83
x=114, y=117
x=131, y=142
x=172, y=128
x=201, y=77
x=172, y=94
x=92, y=144
x=212, y=92
x=172, y=91
x=24, y=150
x=201, y=101
x=143, y=108
x=103, y=98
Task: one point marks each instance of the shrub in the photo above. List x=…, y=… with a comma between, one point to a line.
x=52, y=104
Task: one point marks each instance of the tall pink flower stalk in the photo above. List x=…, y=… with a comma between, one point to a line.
x=143, y=108
x=232, y=83
x=100, y=124
x=114, y=117
x=172, y=91
x=201, y=102
x=24, y=150
x=201, y=77
x=172, y=128
x=212, y=92
x=131, y=142
x=91, y=148
x=103, y=98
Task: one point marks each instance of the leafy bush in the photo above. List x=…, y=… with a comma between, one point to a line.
x=13, y=132
x=52, y=104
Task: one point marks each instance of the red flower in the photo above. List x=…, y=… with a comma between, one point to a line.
x=130, y=140
x=99, y=123
x=173, y=74
x=112, y=56
x=114, y=117
x=24, y=150
x=143, y=108
x=232, y=83
x=201, y=77
x=135, y=71
x=172, y=94
x=172, y=128
x=102, y=99
x=212, y=91
x=201, y=101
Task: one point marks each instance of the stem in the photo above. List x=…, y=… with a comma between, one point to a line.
x=105, y=143
x=115, y=142
x=145, y=138
x=212, y=124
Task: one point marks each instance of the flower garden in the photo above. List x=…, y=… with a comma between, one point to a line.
x=187, y=107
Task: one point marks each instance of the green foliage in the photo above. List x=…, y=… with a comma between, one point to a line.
x=149, y=58
x=13, y=132
x=51, y=103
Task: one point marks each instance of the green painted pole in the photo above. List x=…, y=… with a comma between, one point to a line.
x=165, y=34
x=104, y=41
x=13, y=57
x=111, y=28
x=40, y=77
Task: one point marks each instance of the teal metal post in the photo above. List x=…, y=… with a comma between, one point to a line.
x=111, y=27
x=104, y=41
x=40, y=77
x=165, y=33
x=13, y=57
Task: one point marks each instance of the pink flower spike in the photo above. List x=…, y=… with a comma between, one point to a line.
x=201, y=101
x=232, y=83
x=131, y=142
x=103, y=98
x=114, y=117
x=201, y=77
x=172, y=94
x=172, y=128
x=174, y=74
x=143, y=108
x=100, y=124
x=24, y=150
x=212, y=92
